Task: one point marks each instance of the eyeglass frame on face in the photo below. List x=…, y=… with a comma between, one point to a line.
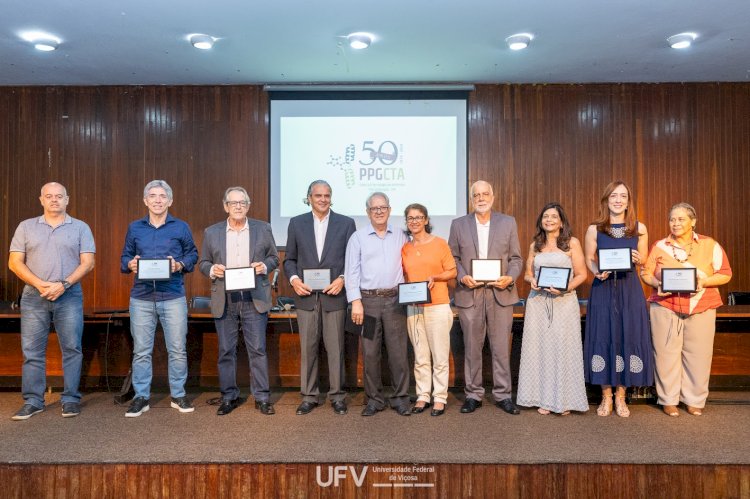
x=378, y=209
x=419, y=218
x=234, y=204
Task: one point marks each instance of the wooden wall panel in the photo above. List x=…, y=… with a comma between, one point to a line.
x=282, y=480
x=535, y=143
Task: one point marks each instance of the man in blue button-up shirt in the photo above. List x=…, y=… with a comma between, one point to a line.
x=159, y=235
x=373, y=273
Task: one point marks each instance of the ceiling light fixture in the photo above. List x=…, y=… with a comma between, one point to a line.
x=41, y=40
x=519, y=41
x=681, y=40
x=45, y=45
x=201, y=41
x=360, y=40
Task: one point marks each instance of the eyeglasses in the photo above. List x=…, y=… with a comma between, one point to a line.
x=379, y=209
x=234, y=204
x=410, y=220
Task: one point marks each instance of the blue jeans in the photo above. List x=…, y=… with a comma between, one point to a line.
x=143, y=317
x=240, y=311
x=36, y=315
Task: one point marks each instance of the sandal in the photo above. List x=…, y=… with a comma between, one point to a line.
x=695, y=411
x=670, y=410
x=543, y=412
x=605, y=408
x=621, y=408
x=565, y=413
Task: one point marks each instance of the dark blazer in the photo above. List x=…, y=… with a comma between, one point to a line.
x=503, y=245
x=301, y=253
x=262, y=249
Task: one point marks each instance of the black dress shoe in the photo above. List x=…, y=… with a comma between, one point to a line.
x=227, y=406
x=508, y=406
x=306, y=407
x=370, y=410
x=470, y=405
x=437, y=412
x=419, y=410
x=402, y=410
x=265, y=408
x=339, y=407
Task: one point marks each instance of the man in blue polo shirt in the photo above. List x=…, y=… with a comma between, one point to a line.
x=159, y=235
x=51, y=254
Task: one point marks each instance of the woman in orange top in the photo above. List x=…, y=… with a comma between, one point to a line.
x=428, y=258
x=683, y=324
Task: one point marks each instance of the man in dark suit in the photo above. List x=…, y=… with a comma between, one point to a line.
x=486, y=309
x=317, y=240
x=240, y=242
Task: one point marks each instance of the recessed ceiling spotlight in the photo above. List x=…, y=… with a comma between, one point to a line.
x=201, y=41
x=519, y=41
x=360, y=40
x=41, y=40
x=681, y=40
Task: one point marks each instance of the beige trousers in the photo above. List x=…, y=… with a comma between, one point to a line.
x=683, y=349
x=429, y=332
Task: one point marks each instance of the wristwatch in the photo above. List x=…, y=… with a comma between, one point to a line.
x=65, y=284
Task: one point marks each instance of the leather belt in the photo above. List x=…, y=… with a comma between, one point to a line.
x=379, y=292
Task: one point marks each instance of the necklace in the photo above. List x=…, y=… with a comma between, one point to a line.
x=617, y=232
x=687, y=252
x=417, y=243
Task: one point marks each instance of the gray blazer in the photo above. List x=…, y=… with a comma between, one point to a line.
x=503, y=245
x=301, y=253
x=263, y=249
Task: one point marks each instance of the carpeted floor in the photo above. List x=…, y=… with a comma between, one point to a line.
x=101, y=434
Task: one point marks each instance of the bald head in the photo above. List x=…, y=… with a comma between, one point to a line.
x=54, y=199
x=54, y=184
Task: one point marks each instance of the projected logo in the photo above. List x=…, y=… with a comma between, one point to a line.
x=373, y=165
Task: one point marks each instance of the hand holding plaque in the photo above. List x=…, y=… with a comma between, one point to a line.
x=154, y=269
x=553, y=278
x=414, y=293
x=239, y=279
x=486, y=270
x=317, y=279
x=615, y=259
x=679, y=280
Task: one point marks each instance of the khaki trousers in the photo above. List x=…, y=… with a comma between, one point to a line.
x=683, y=349
x=429, y=332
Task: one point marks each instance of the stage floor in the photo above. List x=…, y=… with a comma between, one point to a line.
x=101, y=434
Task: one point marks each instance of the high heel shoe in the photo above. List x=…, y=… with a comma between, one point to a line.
x=621, y=407
x=605, y=408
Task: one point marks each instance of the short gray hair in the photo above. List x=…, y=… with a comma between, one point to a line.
x=157, y=183
x=377, y=194
x=685, y=206
x=474, y=185
x=238, y=189
x=318, y=182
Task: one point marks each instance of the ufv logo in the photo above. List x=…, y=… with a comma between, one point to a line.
x=338, y=473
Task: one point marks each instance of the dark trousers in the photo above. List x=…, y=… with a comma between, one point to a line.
x=240, y=312
x=391, y=326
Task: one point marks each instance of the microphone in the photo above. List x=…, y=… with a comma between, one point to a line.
x=274, y=280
